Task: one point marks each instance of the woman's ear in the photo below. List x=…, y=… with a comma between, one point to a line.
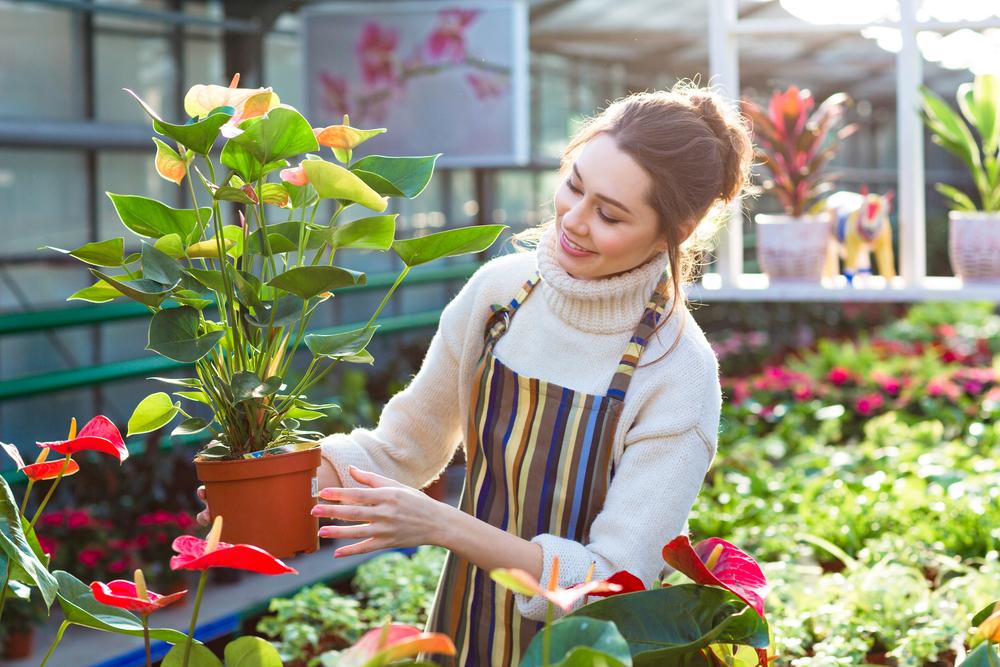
x=684, y=232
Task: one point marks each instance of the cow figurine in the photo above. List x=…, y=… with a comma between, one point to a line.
x=860, y=225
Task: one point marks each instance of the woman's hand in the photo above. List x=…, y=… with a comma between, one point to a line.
x=396, y=515
x=204, y=518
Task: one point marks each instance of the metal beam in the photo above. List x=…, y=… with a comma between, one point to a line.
x=78, y=134
x=540, y=11
x=251, y=26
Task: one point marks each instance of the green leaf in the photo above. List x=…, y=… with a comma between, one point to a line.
x=274, y=194
x=949, y=127
x=983, y=100
x=984, y=613
x=303, y=415
x=247, y=386
x=378, y=184
x=149, y=218
x=241, y=160
x=212, y=279
x=301, y=195
x=154, y=411
x=80, y=607
x=199, y=136
x=158, y=266
x=244, y=195
x=216, y=450
x=99, y=292
x=190, y=426
x=145, y=291
x=289, y=310
x=251, y=652
x=103, y=253
x=190, y=298
x=580, y=642
x=373, y=233
x=281, y=134
x=199, y=396
x=283, y=237
x=174, y=334
x=16, y=549
x=171, y=245
x=362, y=357
x=332, y=181
x=198, y=656
x=247, y=287
x=194, y=383
x=410, y=175
x=32, y=540
x=663, y=624
x=340, y=345
x=980, y=656
x=449, y=243
x=309, y=281
x=961, y=201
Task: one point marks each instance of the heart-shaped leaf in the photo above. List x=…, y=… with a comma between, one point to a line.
x=242, y=161
x=199, y=396
x=169, y=164
x=374, y=233
x=154, y=411
x=576, y=642
x=283, y=237
x=251, y=652
x=190, y=426
x=281, y=134
x=174, y=334
x=409, y=175
x=171, y=245
x=217, y=450
x=289, y=310
x=247, y=386
x=247, y=287
x=340, y=345
x=80, y=607
x=199, y=656
x=199, y=136
x=99, y=292
x=274, y=194
x=301, y=195
x=103, y=253
x=145, y=291
x=158, y=265
x=25, y=565
x=211, y=279
x=309, y=281
x=448, y=243
x=152, y=219
x=302, y=414
x=244, y=195
x=378, y=184
x=332, y=181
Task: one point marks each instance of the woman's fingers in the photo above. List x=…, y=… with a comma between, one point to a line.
x=371, y=479
x=204, y=517
x=369, y=545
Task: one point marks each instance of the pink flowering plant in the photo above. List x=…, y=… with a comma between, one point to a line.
x=233, y=299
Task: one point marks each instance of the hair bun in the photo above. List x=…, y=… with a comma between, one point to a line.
x=734, y=143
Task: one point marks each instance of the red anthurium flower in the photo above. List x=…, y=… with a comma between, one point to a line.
x=520, y=581
x=194, y=554
x=41, y=469
x=715, y=562
x=99, y=435
x=393, y=642
x=125, y=595
x=618, y=583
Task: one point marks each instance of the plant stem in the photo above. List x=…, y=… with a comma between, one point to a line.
x=62, y=629
x=48, y=495
x=402, y=275
x=989, y=653
x=27, y=492
x=145, y=634
x=6, y=580
x=547, y=636
x=194, y=615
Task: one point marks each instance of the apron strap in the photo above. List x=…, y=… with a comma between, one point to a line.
x=648, y=321
x=499, y=321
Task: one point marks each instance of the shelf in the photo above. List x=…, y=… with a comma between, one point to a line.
x=222, y=608
x=756, y=287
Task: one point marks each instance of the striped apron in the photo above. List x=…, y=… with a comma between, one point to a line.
x=538, y=461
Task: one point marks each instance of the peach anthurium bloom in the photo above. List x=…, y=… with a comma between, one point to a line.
x=521, y=582
x=169, y=164
x=248, y=102
x=294, y=175
x=99, y=435
x=392, y=642
x=989, y=629
x=344, y=137
x=716, y=562
x=41, y=469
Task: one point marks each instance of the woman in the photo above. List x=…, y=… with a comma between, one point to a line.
x=574, y=449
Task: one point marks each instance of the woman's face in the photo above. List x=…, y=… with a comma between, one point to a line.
x=604, y=224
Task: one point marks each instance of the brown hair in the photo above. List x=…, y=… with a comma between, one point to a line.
x=696, y=149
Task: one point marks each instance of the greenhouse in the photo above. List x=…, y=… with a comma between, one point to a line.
x=486, y=333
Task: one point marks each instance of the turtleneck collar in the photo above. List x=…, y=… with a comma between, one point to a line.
x=607, y=305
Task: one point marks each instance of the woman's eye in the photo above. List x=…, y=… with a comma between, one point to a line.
x=572, y=188
x=605, y=218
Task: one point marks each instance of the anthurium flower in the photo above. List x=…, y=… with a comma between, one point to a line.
x=248, y=102
x=392, y=642
x=521, y=582
x=989, y=629
x=126, y=595
x=197, y=554
x=99, y=435
x=620, y=582
x=344, y=137
x=295, y=176
x=715, y=562
x=41, y=469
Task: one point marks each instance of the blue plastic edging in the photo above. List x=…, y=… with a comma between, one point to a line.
x=137, y=658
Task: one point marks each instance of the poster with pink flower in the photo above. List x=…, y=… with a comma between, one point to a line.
x=447, y=76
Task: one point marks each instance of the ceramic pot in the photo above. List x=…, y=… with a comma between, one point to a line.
x=19, y=644
x=793, y=249
x=974, y=245
x=266, y=501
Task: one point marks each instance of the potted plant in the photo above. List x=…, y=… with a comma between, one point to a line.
x=20, y=619
x=793, y=146
x=235, y=300
x=973, y=232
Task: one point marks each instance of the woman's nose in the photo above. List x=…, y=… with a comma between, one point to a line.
x=574, y=220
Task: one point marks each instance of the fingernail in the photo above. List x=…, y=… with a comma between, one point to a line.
x=325, y=495
x=316, y=511
x=336, y=554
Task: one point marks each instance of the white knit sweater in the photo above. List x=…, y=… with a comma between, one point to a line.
x=572, y=333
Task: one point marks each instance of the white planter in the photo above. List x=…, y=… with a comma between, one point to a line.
x=793, y=249
x=974, y=245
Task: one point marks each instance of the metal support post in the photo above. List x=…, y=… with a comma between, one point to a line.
x=912, y=214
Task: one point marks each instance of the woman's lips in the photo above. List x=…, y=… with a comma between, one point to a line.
x=570, y=250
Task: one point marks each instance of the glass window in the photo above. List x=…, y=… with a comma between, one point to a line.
x=143, y=64
x=283, y=61
x=43, y=197
x=39, y=75
x=204, y=62
x=133, y=173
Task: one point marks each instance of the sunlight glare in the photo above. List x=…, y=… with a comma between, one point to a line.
x=844, y=11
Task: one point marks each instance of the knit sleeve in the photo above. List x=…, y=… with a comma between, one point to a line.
x=647, y=505
x=421, y=426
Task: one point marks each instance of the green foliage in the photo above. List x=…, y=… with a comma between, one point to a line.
x=313, y=621
x=399, y=586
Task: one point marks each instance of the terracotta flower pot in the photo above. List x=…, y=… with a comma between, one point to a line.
x=19, y=644
x=266, y=501
x=793, y=249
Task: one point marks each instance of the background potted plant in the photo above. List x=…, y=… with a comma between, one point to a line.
x=20, y=619
x=793, y=145
x=235, y=300
x=973, y=232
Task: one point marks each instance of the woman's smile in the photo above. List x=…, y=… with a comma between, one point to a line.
x=574, y=248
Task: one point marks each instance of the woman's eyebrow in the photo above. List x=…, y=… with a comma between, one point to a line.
x=613, y=202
